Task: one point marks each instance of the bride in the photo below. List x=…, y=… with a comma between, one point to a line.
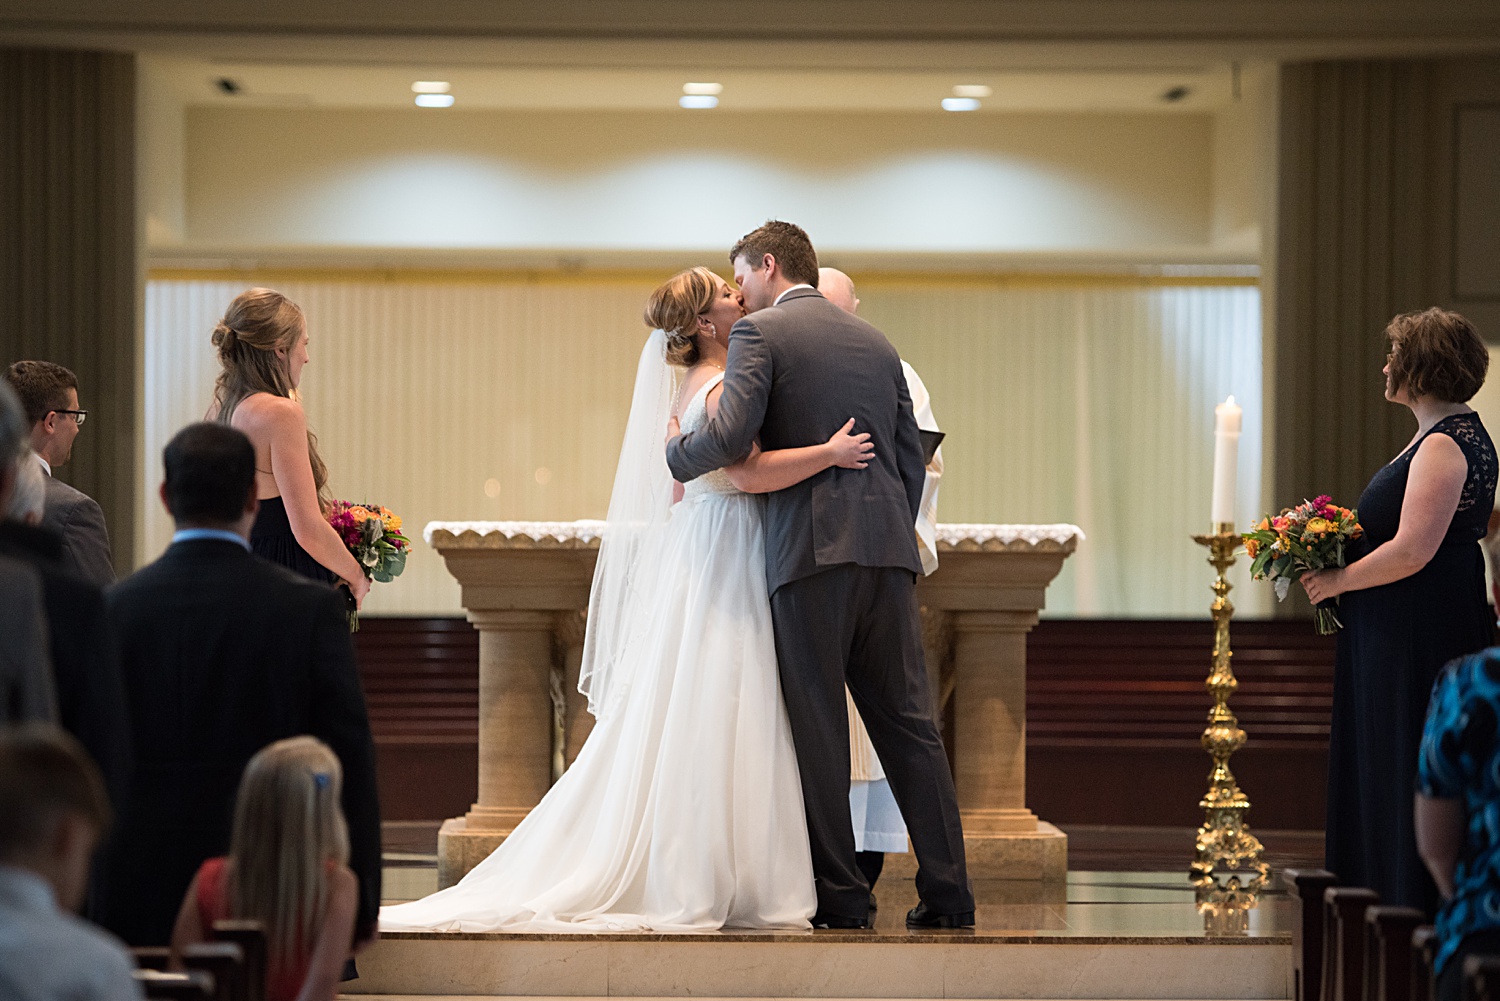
x=683, y=810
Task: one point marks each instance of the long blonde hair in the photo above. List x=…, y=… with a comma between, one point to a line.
x=257, y=323
x=287, y=826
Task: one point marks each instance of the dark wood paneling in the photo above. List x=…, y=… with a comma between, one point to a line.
x=1115, y=709
x=422, y=686
x=68, y=281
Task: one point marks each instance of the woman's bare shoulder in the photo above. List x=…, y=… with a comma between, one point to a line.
x=268, y=411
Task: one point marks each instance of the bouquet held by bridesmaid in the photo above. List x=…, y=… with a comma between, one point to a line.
x=373, y=535
x=1310, y=536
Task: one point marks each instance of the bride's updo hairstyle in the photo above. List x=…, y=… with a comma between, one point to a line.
x=257, y=323
x=674, y=308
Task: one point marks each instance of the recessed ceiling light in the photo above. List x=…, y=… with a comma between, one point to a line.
x=431, y=87
x=698, y=101
x=703, y=89
x=434, y=100
x=972, y=90
x=960, y=104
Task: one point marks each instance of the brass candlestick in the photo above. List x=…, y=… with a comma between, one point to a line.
x=1224, y=844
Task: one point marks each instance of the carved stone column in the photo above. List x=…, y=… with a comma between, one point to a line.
x=515, y=712
x=578, y=722
x=989, y=731
x=526, y=586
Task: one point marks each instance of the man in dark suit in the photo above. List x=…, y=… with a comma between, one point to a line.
x=85, y=668
x=49, y=393
x=223, y=653
x=841, y=566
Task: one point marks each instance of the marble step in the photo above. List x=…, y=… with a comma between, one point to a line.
x=828, y=965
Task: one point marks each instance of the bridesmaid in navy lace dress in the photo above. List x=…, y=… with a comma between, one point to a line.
x=1411, y=599
x=262, y=342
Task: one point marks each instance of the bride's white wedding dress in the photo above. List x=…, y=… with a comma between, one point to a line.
x=683, y=811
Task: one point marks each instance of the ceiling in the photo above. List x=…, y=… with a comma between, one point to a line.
x=1252, y=21
x=197, y=82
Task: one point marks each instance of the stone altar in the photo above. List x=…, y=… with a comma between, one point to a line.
x=525, y=587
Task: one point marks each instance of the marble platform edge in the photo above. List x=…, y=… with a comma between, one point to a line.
x=822, y=972
x=992, y=938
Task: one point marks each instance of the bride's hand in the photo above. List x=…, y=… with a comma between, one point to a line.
x=673, y=428
x=852, y=451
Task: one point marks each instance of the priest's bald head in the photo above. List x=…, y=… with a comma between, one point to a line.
x=838, y=288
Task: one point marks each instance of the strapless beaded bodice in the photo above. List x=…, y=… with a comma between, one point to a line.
x=694, y=417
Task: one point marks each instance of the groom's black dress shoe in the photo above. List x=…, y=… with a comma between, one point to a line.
x=920, y=917
x=821, y=920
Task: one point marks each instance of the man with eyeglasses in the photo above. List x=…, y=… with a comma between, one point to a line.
x=49, y=393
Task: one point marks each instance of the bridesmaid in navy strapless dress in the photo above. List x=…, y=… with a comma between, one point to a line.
x=271, y=538
x=263, y=346
x=1401, y=625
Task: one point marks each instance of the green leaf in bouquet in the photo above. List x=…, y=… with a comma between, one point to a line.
x=382, y=577
x=396, y=563
x=1280, y=566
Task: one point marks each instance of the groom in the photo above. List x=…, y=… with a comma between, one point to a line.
x=841, y=566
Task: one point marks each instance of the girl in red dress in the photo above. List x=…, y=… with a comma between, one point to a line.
x=287, y=868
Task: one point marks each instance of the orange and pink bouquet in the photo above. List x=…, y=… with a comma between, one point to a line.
x=373, y=536
x=1311, y=536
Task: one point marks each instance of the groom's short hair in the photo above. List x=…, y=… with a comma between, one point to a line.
x=785, y=241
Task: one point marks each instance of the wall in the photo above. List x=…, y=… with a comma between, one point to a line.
x=889, y=183
x=494, y=395
x=1374, y=220
x=69, y=288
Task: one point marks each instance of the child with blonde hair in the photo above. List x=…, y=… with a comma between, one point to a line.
x=287, y=868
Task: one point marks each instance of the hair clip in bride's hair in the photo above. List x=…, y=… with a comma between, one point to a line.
x=321, y=780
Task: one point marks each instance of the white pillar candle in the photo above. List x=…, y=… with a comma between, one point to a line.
x=1227, y=420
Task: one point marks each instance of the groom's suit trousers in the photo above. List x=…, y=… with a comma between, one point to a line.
x=859, y=626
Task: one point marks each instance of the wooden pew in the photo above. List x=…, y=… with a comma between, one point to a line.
x=1344, y=941
x=152, y=957
x=250, y=936
x=1388, y=955
x=1482, y=978
x=224, y=961
x=1423, y=971
x=194, y=985
x=1306, y=887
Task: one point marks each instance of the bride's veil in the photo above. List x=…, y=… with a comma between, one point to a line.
x=638, y=508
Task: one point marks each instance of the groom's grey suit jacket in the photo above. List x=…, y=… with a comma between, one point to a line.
x=796, y=372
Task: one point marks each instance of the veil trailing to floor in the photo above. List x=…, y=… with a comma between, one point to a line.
x=639, y=507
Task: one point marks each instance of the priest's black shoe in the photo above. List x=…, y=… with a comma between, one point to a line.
x=821, y=920
x=920, y=917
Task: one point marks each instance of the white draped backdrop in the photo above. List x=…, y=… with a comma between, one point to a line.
x=503, y=396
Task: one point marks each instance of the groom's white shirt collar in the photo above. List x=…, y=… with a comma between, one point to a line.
x=792, y=289
x=47, y=466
